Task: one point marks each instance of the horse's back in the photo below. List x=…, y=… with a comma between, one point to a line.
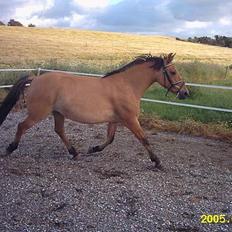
x=84, y=99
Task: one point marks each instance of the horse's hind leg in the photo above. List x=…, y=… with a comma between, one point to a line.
x=22, y=127
x=133, y=125
x=110, y=137
x=37, y=111
x=59, y=129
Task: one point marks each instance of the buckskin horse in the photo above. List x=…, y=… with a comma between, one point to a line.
x=115, y=98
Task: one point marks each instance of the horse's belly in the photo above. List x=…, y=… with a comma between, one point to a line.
x=87, y=113
x=92, y=117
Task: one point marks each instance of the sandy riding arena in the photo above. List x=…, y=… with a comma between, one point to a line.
x=118, y=189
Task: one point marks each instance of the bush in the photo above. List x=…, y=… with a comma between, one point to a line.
x=31, y=25
x=12, y=22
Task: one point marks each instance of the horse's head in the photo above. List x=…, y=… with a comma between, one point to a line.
x=171, y=79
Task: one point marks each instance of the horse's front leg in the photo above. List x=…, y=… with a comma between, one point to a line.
x=110, y=137
x=133, y=125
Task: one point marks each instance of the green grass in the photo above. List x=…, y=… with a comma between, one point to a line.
x=199, y=96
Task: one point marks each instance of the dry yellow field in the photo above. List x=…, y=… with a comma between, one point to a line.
x=21, y=46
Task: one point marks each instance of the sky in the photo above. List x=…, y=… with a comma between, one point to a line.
x=180, y=18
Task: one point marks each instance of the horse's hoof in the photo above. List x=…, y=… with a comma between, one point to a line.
x=12, y=146
x=155, y=159
x=74, y=157
x=157, y=163
x=72, y=151
x=93, y=149
x=160, y=167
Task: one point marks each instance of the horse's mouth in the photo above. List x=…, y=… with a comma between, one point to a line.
x=183, y=94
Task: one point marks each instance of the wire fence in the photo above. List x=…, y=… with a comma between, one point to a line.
x=39, y=70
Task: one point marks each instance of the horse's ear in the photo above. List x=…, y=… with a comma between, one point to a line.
x=170, y=57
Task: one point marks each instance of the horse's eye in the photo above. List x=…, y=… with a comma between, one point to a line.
x=173, y=73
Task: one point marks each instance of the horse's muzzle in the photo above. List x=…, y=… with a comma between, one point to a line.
x=182, y=94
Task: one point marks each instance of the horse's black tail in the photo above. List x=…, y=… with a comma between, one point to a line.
x=13, y=97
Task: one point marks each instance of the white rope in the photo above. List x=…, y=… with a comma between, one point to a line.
x=77, y=73
x=210, y=86
x=17, y=69
x=5, y=86
x=187, y=105
x=9, y=86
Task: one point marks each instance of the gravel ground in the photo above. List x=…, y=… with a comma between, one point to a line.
x=118, y=189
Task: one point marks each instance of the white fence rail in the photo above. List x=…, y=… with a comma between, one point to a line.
x=143, y=99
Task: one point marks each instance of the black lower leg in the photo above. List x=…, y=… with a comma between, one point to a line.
x=153, y=157
x=110, y=138
x=12, y=146
x=72, y=151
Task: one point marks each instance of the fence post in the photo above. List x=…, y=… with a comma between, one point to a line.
x=38, y=71
x=227, y=67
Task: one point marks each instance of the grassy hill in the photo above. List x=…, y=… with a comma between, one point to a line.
x=20, y=46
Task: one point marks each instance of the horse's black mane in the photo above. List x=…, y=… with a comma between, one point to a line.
x=158, y=62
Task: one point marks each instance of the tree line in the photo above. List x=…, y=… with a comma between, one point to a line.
x=217, y=40
x=13, y=22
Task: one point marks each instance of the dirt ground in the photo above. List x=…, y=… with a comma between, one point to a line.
x=118, y=189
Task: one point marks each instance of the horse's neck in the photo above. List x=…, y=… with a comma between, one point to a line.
x=139, y=77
